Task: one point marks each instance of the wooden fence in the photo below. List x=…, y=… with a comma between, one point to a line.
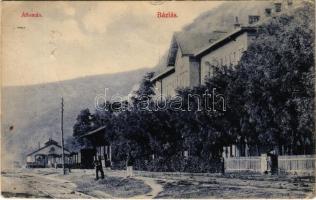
x=296, y=164
x=243, y=164
x=301, y=164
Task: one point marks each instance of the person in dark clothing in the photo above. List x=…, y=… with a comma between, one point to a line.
x=98, y=167
x=129, y=165
x=273, y=162
x=69, y=168
x=222, y=165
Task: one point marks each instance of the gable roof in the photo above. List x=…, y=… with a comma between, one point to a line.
x=166, y=72
x=225, y=38
x=51, y=141
x=47, y=144
x=190, y=42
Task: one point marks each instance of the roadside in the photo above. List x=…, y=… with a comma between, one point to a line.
x=49, y=183
x=27, y=184
x=237, y=186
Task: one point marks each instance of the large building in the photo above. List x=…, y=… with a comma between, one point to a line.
x=183, y=68
x=192, y=56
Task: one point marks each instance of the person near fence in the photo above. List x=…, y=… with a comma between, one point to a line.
x=129, y=165
x=98, y=167
x=272, y=162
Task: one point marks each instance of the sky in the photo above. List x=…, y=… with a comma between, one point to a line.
x=76, y=39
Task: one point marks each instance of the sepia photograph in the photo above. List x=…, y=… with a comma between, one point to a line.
x=158, y=99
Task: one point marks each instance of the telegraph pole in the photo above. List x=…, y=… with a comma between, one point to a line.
x=62, y=134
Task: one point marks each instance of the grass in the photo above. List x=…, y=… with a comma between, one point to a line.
x=236, y=187
x=115, y=186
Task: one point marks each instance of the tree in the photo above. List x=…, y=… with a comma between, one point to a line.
x=277, y=70
x=83, y=123
x=145, y=90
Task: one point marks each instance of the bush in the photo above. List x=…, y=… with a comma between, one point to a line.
x=175, y=164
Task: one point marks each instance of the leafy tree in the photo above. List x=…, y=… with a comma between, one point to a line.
x=83, y=123
x=145, y=90
x=277, y=70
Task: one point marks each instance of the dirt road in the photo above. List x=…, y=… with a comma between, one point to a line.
x=19, y=183
x=49, y=183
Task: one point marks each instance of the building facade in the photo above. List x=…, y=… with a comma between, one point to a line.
x=192, y=56
x=101, y=148
x=48, y=156
x=225, y=52
x=182, y=66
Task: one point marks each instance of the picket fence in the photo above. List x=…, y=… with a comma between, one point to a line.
x=294, y=164
x=302, y=164
x=243, y=164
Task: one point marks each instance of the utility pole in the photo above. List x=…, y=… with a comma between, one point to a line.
x=62, y=134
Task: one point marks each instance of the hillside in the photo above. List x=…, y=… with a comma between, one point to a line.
x=31, y=114
x=223, y=17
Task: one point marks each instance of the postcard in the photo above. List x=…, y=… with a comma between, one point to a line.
x=158, y=99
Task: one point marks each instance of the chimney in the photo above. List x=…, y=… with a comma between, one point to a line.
x=268, y=12
x=278, y=7
x=253, y=19
x=237, y=24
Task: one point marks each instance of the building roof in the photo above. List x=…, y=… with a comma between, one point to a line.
x=198, y=45
x=190, y=42
x=166, y=72
x=98, y=130
x=47, y=144
x=51, y=141
x=221, y=41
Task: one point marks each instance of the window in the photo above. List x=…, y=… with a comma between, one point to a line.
x=211, y=71
x=206, y=65
x=215, y=62
x=235, y=58
x=278, y=7
x=208, y=69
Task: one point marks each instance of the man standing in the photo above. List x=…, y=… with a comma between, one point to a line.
x=98, y=167
x=273, y=161
x=129, y=165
